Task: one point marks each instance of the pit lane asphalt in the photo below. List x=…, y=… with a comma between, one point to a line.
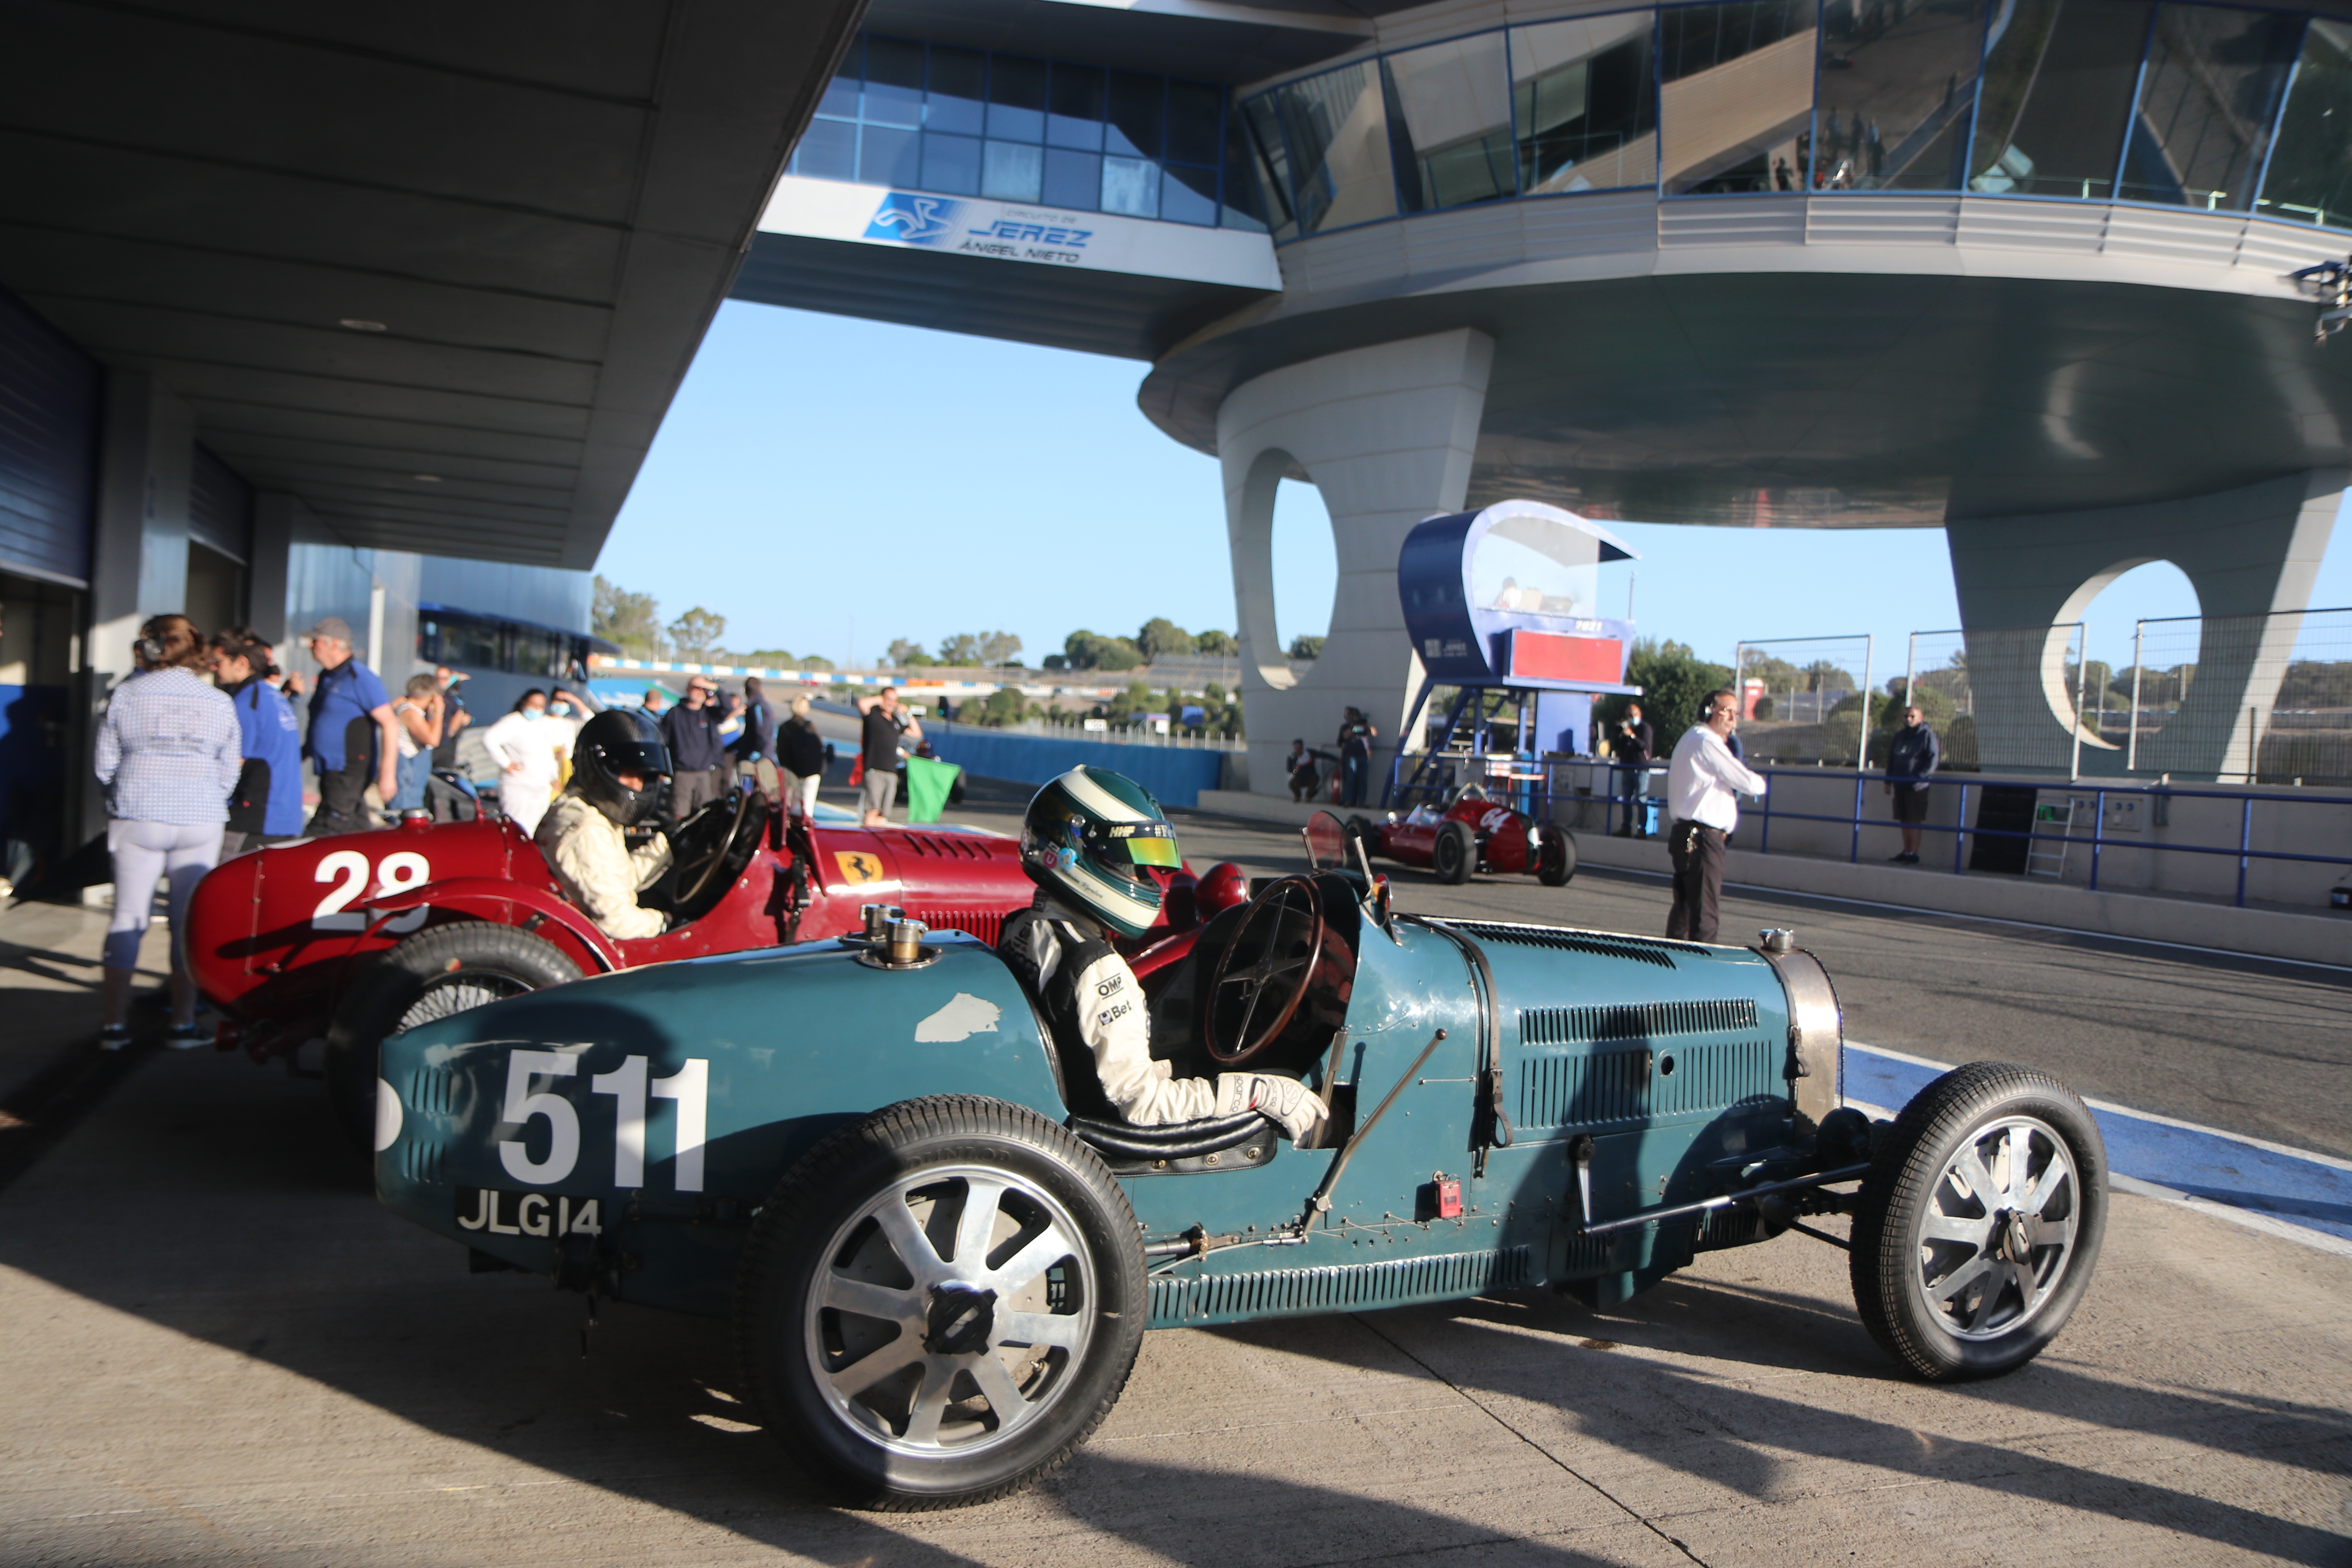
x=222, y=1349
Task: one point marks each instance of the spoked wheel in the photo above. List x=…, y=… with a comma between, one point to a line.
x=939, y=1303
x=1980, y=1222
x=1265, y=972
x=435, y=973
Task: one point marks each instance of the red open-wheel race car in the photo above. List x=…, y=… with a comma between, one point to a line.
x=1470, y=832
x=345, y=941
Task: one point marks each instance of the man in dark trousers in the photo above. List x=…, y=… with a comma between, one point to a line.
x=1703, y=786
x=1915, y=755
x=1631, y=750
x=885, y=726
x=755, y=748
x=697, y=757
x=350, y=740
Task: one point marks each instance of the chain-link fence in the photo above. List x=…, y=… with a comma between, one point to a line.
x=2272, y=705
x=1998, y=697
x=1800, y=699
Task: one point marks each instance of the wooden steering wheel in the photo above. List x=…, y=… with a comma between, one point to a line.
x=1265, y=972
x=719, y=850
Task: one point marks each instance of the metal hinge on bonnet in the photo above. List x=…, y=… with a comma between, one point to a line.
x=1798, y=1068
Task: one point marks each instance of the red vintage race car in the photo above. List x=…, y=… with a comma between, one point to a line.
x=348, y=939
x=1470, y=832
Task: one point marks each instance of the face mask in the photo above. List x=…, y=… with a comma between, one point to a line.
x=534, y=712
x=560, y=708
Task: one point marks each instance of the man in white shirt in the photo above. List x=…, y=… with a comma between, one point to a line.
x=1703, y=786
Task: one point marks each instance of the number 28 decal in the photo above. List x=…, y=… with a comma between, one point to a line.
x=348, y=869
x=631, y=1087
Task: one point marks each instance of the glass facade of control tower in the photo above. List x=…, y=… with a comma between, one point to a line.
x=2207, y=107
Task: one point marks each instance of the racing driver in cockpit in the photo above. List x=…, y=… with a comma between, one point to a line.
x=619, y=770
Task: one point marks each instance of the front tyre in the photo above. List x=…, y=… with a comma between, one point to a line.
x=939, y=1303
x=1980, y=1222
x=1555, y=857
x=1455, y=854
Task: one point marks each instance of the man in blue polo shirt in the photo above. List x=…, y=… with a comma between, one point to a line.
x=351, y=739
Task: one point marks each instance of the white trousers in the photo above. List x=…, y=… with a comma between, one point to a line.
x=145, y=852
x=801, y=787
x=525, y=801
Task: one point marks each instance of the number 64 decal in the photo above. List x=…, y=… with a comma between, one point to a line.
x=630, y=1087
x=395, y=873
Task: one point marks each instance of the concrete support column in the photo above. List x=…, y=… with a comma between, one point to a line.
x=1387, y=435
x=279, y=519
x=139, y=558
x=2252, y=551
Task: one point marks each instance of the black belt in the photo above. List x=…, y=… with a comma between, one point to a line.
x=1692, y=822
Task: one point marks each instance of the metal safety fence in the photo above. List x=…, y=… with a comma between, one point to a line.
x=1800, y=699
x=2265, y=698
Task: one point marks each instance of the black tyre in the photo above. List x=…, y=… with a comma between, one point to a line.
x=1555, y=857
x=1360, y=830
x=1455, y=854
x=915, y=1352
x=444, y=970
x=1980, y=1222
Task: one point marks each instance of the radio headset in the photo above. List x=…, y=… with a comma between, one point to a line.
x=149, y=646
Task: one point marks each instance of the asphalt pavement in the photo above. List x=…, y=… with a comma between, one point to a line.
x=221, y=1349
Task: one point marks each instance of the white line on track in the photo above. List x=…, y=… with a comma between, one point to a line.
x=1996, y=920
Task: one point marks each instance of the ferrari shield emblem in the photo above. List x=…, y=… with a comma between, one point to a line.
x=859, y=867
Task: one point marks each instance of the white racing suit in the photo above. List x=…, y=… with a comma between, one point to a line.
x=1087, y=990
x=586, y=852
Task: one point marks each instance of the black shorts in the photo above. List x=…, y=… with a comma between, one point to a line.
x=1910, y=805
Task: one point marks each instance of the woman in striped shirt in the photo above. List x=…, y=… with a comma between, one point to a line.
x=169, y=756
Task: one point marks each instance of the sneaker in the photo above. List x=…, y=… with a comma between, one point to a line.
x=188, y=1038
x=114, y=1038
x=1908, y=859
x=1897, y=858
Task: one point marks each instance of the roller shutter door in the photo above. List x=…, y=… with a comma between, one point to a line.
x=220, y=507
x=50, y=393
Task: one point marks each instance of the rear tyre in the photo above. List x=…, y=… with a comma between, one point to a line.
x=1360, y=830
x=1979, y=1222
x=444, y=970
x=1455, y=854
x=939, y=1303
x=1555, y=858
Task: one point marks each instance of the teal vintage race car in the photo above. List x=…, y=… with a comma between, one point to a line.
x=861, y=1153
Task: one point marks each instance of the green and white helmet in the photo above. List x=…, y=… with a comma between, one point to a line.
x=1092, y=838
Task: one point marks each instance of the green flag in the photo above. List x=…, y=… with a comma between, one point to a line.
x=927, y=783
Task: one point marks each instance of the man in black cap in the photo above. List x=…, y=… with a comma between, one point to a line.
x=352, y=738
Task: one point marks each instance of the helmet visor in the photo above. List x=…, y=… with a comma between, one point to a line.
x=1154, y=851
x=645, y=758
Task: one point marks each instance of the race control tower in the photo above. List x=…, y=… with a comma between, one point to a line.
x=2014, y=268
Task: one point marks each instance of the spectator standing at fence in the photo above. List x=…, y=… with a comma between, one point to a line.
x=1703, y=786
x=351, y=738
x=265, y=806
x=1357, y=734
x=800, y=758
x=696, y=752
x=1631, y=750
x=529, y=749
x=1910, y=762
x=884, y=728
x=755, y=748
x=168, y=755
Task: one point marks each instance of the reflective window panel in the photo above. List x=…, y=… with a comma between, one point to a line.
x=1449, y=113
x=1072, y=179
x=1196, y=115
x=1188, y=195
x=1012, y=171
x=1074, y=111
x=950, y=164
x=2310, y=178
x=840, y=101
x=828, y=151
x=1735, y=99
x=1898, y=81
x=1336, y=132
x=1016, y=99
x=952, y=98
x=891, y=155
x=1130, y=186
x=2207, y=102
x=1583, y=100
x=2058, y=83
x=1257, y=171
x=894, y=82
x=1138, y=103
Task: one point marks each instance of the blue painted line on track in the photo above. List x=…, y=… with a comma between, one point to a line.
x=2199, y=1162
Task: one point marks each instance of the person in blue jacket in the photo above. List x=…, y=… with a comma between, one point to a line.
x=1911, y=761
x=267, y=805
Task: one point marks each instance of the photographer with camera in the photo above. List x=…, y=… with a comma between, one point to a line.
x=1631, y=747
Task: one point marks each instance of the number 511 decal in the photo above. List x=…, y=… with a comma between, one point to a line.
x=631, y=1087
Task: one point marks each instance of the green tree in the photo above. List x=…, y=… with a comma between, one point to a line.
x=906, y=654
x=1304, y=647
x=695, y=637
x=960, y=651
x=1163, y=638
x=1674, y=682
x=632, y=621
x=999, y=649
x=1215, y=644
x=770, y=659
x=1005, y=705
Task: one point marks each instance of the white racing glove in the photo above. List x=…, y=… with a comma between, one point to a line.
x=1284, y=1100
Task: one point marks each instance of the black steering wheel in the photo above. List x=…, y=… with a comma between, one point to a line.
x=1265, y=972
x=706, y=843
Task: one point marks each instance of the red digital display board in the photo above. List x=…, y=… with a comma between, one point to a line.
x=1548, y=655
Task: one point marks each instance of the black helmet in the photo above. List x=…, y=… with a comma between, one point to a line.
x=621, y=741
x=1092, y=837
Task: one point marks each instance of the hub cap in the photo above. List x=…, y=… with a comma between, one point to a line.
x=2000, y=1228
x=951, y=1311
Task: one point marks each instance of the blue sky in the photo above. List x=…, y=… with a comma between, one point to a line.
x=829, y=484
